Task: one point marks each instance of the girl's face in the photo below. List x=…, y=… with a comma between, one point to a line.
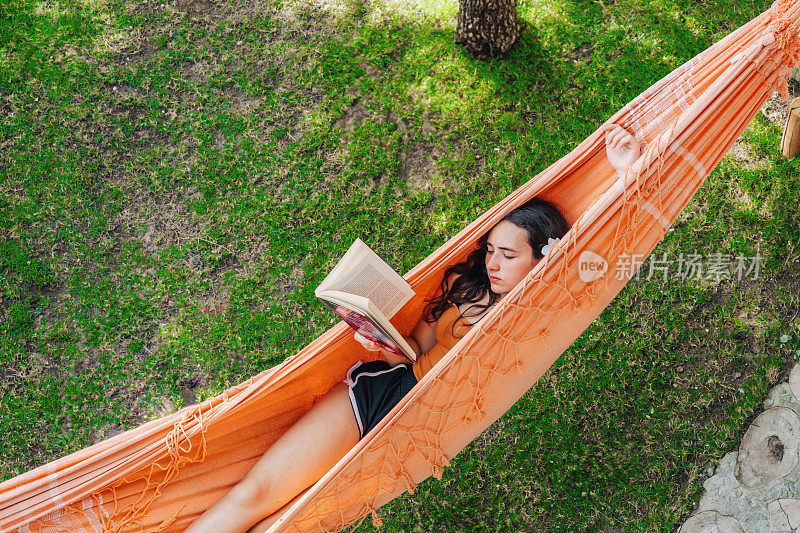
x=509, y=256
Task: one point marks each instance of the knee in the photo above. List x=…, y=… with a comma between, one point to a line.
x=251, y=492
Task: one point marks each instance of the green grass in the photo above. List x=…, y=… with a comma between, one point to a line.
x=175, y=179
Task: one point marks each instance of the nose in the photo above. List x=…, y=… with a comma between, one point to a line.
x=493, y=263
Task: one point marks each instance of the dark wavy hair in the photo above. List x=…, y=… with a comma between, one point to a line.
x=541, y=219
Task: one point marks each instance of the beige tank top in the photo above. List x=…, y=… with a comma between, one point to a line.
x=445, y=340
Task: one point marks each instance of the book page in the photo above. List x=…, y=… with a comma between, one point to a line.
x=369, y=283
x=369, y=276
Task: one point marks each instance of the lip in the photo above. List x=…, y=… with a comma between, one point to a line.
x=494, y=279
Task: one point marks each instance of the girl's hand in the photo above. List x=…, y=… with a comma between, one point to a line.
x=622, y=149
x=367, y=344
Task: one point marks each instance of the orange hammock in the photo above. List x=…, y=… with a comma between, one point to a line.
x=162, y=475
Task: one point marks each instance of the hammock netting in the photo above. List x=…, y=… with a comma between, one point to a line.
x=163, y=474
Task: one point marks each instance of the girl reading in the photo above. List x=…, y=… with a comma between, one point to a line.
x=346, y=413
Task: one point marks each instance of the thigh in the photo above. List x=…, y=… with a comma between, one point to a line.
x=307, y=450
x=302, y=455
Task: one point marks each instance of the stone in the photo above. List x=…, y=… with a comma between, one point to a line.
x=778, y=522
x=769, y=449
x=791, y=507
x=711, y=522
x=794, y=382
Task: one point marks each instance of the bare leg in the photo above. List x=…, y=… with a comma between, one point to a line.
x=299, y=458
x=264, y=525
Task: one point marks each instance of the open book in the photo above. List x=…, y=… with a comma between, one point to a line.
x=365, y=292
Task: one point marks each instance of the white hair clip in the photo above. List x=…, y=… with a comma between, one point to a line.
x=546, y=247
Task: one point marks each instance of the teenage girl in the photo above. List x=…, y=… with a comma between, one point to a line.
x=322, y=436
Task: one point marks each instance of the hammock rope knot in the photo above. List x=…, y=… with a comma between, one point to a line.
x=179, y=448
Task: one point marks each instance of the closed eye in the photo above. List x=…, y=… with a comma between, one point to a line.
x=488, y=251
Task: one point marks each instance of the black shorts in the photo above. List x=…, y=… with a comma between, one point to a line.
x=375, y=388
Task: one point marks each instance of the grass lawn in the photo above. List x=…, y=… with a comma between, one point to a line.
x=176, y=178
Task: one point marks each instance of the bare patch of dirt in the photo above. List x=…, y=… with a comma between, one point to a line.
x=199, y=71
x=776, y=110
x=353, y=117
x=375, y=74
x=244, y=105
x=139, y=48
x=740, y=198
x=582, y=52
x=418, y=165
x=167, y=220
x=743, y=154
x=195, y=7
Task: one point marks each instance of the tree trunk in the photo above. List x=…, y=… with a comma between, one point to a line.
x=487, y=28
x=790, y=142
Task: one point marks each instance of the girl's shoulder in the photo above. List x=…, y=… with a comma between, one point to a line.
x=472, y=312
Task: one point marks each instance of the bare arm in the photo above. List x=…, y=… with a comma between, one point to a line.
x=395, y=359
x=422, y=339
x=419, y=340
